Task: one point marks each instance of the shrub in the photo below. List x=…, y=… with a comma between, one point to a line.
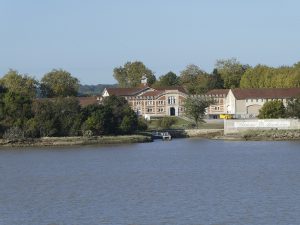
x=142, y=124
x=273, y=109
x=14, y=133
x=166, y=122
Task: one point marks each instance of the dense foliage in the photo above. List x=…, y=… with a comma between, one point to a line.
x=272, y=110
x=25, y=117
x=268, y=77
x=59, y=83
x=131, y=73
x=293, y=108
x=22, y=114
x=231, y=72
x=169, y=79
x=19, y=83
x=194, y=79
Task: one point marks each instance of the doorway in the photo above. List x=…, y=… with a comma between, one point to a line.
x=172, y=111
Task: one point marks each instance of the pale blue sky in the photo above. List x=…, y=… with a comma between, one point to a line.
x=91, y=37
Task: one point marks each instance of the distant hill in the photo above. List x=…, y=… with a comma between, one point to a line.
x=88, y=90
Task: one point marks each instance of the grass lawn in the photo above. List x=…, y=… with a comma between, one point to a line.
x=184, y=124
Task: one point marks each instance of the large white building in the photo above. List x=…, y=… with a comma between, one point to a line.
x=246, y=103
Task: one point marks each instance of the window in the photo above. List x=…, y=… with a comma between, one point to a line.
x=161, y=102
x=160, y=109
x=149, y=110
x=171, y=100
x=149, y=103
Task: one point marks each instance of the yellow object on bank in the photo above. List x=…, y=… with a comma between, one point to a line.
x=225, y=116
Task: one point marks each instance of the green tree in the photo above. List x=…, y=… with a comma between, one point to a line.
x=194, y=79
x=120, y=108
x=272, y=110
x=216, y=81
x=100, y=121
x=195, y=107
x=67, y=116
x=231, y=72
x=131, y=73
x=3, y=90
x=19, y=83
x=142, y=124
x=15, y=110
x=113, y=116
x=262, y=76
x=59, y=83
x=293, y=108
x=55, y=117
x=44, y=123
x=169, y=79
x=129, y=123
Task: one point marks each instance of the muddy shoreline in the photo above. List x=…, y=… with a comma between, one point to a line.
x=69, y=141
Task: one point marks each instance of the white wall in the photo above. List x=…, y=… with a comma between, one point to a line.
x=230, y=103
x=236, y=126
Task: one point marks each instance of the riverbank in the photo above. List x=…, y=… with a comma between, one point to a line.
x=121, y=139
x=68, y=141
x=190, y=133
x=263, y=135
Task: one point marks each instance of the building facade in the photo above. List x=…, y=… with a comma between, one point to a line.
x=169, y=101
x=246, y=103
x=152, y=102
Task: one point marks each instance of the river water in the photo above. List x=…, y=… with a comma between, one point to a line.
x=185, y=181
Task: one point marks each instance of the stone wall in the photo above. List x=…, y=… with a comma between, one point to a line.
x=237, y=126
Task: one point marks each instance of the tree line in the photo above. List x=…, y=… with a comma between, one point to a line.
x=59, y=113
x=228, y=73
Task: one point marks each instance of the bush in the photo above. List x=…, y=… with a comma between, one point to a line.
x=32, y=128
x=272, y=110
x=142, y=124
x=14, y=133
x=166, y=122
x=88, y=133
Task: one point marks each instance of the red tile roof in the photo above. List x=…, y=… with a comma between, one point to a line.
x=179, y=88
x=267, y=93
x=134, y=91
x=85, y=101
x=152, y=93
x=123, y=91
x=218, y=92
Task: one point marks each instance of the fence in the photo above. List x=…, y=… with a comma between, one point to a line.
x=236, y=126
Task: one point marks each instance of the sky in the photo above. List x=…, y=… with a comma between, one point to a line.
x=90, y=38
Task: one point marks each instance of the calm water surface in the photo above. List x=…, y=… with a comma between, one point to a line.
x=185, y=181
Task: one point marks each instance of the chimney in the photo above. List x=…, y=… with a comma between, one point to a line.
x=144, y=81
